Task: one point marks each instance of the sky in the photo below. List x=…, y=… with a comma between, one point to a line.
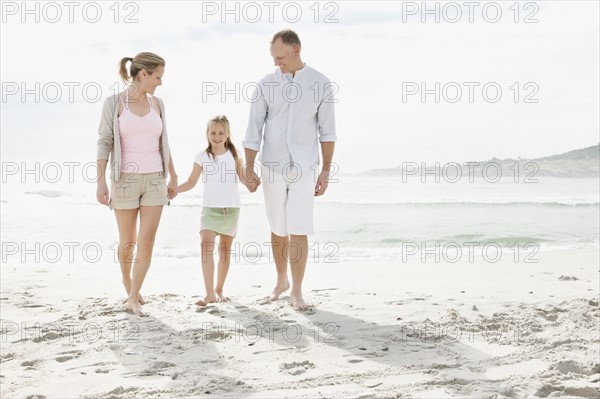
x=380, y=55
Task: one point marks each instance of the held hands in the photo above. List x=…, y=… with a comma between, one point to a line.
x=172, y=188
x=251, y=178
x=322, y=183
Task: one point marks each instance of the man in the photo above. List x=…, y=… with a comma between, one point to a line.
x=291, y=113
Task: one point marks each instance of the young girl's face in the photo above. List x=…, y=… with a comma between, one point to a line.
x=217, y=135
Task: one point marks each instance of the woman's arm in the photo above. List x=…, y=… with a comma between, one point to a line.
x=191, y=181
x=106, y=135
x=104, y=147
x=172, y=173
x=102, y=194
x=172, y=186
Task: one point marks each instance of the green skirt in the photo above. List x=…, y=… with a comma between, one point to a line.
x=220, y=220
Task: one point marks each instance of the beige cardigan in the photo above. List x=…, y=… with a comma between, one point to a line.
x=109, y=140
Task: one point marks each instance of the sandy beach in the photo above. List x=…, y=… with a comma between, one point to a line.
x=457, y=123
x=377, y=330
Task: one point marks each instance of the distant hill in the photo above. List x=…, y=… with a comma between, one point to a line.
x=584, y=162
x=588, y=153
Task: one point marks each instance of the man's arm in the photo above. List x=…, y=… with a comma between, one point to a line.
x=323, y=179
x=253, y=139
x=327, y=137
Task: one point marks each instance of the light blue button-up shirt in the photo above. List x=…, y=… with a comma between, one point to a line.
x=290, y=115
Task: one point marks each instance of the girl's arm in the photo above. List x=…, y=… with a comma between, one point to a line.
x=192, y=180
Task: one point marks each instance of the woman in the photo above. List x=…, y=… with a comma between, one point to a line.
x=133, y=131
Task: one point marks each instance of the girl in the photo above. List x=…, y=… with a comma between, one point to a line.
x=220, y=205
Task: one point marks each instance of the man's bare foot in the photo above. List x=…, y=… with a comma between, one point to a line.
x=298, y=303
x=207, y=299
x=221, y=297
x=277, y=291
x=135, y=307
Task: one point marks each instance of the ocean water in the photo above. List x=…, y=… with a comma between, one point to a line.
x=360, y=218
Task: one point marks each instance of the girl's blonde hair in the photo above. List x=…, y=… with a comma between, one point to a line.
x=222, y=119
x=144, y=60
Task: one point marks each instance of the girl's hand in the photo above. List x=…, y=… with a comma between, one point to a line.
x=102, y=192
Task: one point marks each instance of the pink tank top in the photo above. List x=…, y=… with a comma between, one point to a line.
x=140, y=140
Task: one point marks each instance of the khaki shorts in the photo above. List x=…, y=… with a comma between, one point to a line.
x=139, y=189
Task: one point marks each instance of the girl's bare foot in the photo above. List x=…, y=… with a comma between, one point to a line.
x=207, y=299
x=135, y=307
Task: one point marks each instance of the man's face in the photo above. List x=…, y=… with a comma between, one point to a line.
x=285, y=56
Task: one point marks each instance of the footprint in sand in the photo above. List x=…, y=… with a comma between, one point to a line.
x=69, y=355
x=157, y=368
x=101, y=371
x=568, y=278
x=6, y=357
x=296, y=368
x=30, y=364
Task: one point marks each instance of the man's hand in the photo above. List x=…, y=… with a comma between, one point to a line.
x=322, y=183
x=252, y=179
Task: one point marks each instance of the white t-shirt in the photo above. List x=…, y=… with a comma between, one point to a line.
x=219, y=179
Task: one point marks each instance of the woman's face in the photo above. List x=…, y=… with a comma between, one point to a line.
x=149, y=82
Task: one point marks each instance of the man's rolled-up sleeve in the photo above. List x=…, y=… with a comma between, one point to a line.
x=326, y=115
x=256, y=122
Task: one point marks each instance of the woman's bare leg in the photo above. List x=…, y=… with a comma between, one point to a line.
x=127, y=225
x=149, y=220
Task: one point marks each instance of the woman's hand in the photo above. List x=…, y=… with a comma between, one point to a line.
x=102, y=192
x=172, y=188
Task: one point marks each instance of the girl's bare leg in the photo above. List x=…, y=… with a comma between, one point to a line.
x=224, y=262
x=207, y=244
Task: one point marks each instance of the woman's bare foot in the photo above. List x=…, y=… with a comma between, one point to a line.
x=277, y=291
x=207, y=299
x=127, y=285
x=298, y=303
x=135, y=307
x=221, y=297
